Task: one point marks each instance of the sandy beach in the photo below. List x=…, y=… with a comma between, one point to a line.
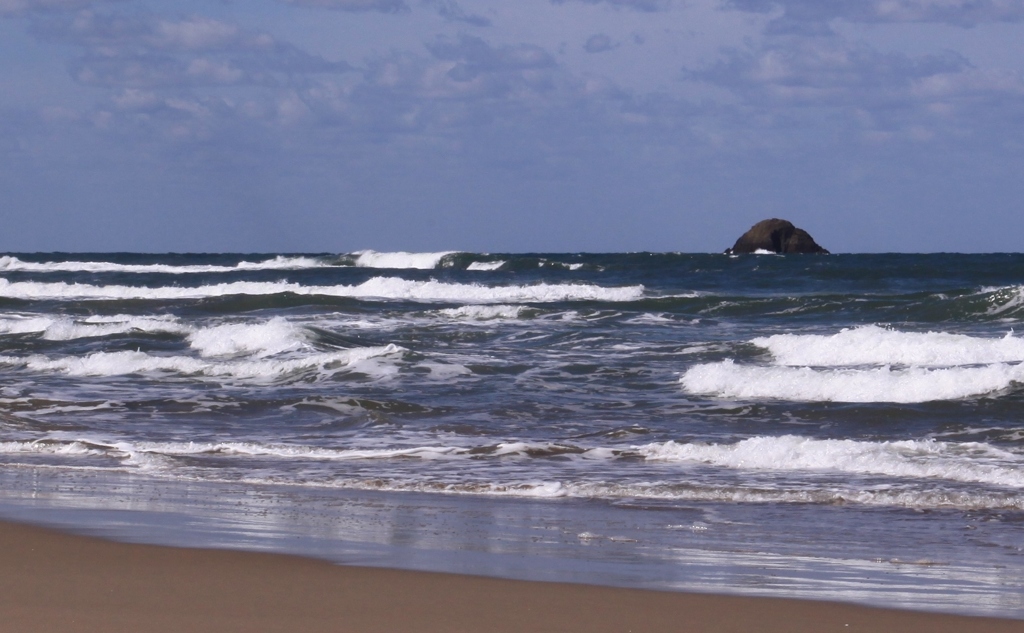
x=52, y=581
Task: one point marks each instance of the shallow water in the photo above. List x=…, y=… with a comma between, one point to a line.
x=839, y=427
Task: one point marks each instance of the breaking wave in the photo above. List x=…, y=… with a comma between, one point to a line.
x=867, y=364
x=281, y=262
x=873, y=345
x=726, y=379
x=377, y=288
x=127, y=362
x=398, y=260
x=263, y=339
x=65, y=328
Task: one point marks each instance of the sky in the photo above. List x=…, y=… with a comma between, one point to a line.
x=509, y=126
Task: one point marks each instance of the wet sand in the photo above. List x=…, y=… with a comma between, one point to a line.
x=56, y=582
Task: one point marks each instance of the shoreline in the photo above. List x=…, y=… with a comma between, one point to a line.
x=56, y=581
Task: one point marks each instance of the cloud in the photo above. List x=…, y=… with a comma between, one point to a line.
x=798, y=15
x=599, y=43
x=826, y=83
x=200, y=84
x=637, y=5
x=145, y=51
x=824, y=71
x=452, y=12
x=19, y=7
x=469, y=58
x=384, y=6
x=466, y=90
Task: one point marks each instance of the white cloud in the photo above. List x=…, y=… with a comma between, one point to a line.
x=453, y=12
x=144, y=51
x=16, y=7
x=195, y=33
x=599, y=43
x=638, y=5
x=386, y=6
x=809, y=85
x=798, y=14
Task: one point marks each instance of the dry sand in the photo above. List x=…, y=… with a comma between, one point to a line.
x=56, y=582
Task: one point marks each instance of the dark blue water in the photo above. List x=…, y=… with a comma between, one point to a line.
x=844, y=426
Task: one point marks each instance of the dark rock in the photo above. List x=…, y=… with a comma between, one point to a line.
x=776, y=236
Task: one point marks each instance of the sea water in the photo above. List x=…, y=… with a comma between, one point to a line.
x=845, y=427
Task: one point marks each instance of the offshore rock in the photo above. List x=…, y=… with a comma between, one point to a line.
x=776, y=236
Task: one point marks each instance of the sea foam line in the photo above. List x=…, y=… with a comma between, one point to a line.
x=920, y=465
x=377, y=288
x=970, y=462
x=928, y=459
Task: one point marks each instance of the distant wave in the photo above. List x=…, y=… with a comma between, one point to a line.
x=11, y=263
x=385, y=260
x=400, y=259
x=361, y=259
x=383, y=288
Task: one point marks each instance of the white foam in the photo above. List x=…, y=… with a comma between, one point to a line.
x=78, y=445
x=970, y=462
x=401, y=259
x=485, y=265
x=65, y=328
x=883, y=384
x=648, y=317
x=567, y=266
x=49, y=448
x=262, y=339
x=298, y=451
x=873, y=345
x=484, y=313
x=127, y=362
x=280, y=262
x=1004, y=299
x=922, y=473
x=384, y=288
x=445, y=371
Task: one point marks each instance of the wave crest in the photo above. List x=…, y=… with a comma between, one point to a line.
x=377, y=288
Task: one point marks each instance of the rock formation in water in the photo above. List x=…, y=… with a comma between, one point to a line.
x=776, y=236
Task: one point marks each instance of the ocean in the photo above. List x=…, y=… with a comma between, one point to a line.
x=840, y=427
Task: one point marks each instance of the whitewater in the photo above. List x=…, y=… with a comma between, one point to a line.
x=643, y=419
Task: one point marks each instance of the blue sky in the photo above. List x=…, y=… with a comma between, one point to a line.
x=534, y=125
